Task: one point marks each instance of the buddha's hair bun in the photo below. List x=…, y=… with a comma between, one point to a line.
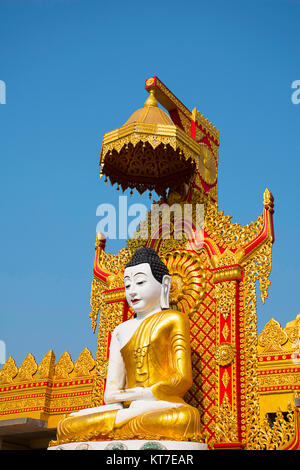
x=148, y=255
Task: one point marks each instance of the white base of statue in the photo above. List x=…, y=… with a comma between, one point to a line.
x=132, y=445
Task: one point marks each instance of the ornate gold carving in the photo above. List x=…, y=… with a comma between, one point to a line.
x=186, y=123
x=31, y=389
x=103, y=369
x=27, y=369
x=101, y=362
x=273, y=337
x=203, y=121
x=150, y=81
x=227, y=234
x=150, y=144
x=227, y=263
x=23, y=404
x=225, y=354
x=225, y=378
x=84, y=364
x=184, y=114
x=179, y=105
x=203, y=337
x=97, y=301
x=64, y=366
x=263, y=264
x=199, y=134
x=225, y=331
x=257, y=267
x=292, y=329
x=114, y=281
x=225, y=295
x=274, y=437
x=278, y=380
x=207, y=165
x=215, y=149
x=114, y=264
x=8, y=371
x=166, y=237
x=114, y=296
x=227, y=273
x=46, y=367
x=114, y=314
x=164, y=157
x=111, y=316
x=226, y=425
x=268, y=198
x=230, y=240
x=213, y=194
x=189, y=280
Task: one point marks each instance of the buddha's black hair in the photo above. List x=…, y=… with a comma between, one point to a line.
x=148, y=255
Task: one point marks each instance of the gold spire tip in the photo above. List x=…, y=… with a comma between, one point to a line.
x=268, y=198
x=151, y=100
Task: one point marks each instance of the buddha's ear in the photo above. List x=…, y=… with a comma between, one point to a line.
x=165, y=291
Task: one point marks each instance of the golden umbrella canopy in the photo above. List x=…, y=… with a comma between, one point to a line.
x=149, y=152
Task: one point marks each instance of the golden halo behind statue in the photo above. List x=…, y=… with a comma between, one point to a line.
x=188, y=280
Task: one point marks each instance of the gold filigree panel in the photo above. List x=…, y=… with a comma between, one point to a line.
x=8, y=371
x=229, y=235
x=225, y=295
x=226, y=429
x=27, y=369
x=273, y=337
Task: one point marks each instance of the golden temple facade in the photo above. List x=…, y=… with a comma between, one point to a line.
x=48, y=391
x=279, y=366
x=245, y=385
x=34, y=397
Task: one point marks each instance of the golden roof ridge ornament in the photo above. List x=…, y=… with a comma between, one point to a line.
x=151, y=100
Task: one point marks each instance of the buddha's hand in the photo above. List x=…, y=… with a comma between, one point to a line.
x=132, y=394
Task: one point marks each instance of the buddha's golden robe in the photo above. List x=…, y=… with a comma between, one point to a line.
x=157, y=356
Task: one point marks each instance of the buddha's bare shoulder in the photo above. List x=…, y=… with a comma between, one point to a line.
x=124, y=326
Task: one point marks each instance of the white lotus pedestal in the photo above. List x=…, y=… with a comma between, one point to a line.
x=132, y=445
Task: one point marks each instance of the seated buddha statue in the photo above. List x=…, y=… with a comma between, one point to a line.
x=149, y=369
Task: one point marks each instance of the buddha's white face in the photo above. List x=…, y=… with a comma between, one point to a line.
x=143, y=291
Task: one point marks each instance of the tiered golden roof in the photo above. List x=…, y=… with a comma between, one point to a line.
x=150, y=152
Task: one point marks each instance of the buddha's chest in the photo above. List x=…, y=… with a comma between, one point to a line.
x=146, y=359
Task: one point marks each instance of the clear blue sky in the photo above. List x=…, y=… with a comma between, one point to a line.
x=74, y=70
